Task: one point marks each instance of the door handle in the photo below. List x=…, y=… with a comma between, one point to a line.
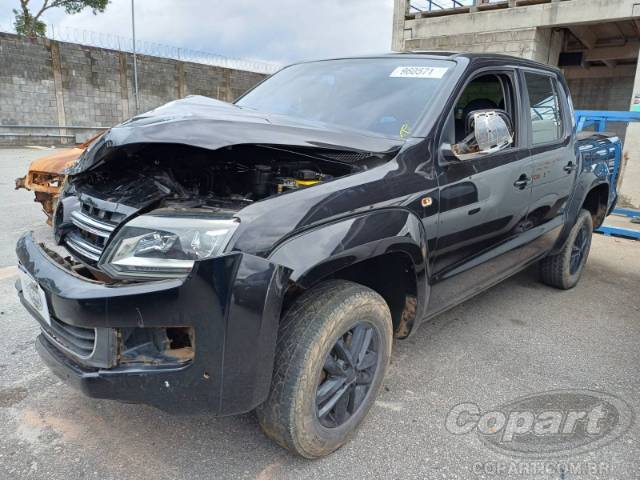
x=570, y=167
x=522, y=181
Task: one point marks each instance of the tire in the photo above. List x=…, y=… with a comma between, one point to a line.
x=324, y=320
x=564, y=269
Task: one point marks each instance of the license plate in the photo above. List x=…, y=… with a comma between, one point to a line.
x=34, y=296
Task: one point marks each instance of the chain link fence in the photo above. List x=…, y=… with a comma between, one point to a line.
x=125, y=44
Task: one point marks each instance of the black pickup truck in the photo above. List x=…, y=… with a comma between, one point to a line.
x=263, y=254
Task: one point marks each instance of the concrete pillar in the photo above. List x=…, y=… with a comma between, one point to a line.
x=400, y=10
x=57, y=82
x=629, y=184
x=228, y=92
x=547, y=45
x=180, y=80
x=556, y=43
x=124, y=89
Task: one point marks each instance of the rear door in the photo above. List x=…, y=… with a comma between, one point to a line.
x=553, y=159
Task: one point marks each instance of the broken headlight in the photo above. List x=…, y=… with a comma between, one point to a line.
x=155, y=246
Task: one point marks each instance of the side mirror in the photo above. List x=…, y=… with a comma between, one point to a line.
x=447, y=155
x=490, y=131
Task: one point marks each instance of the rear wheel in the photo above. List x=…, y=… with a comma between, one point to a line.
x=564, y=269
x=333, y=349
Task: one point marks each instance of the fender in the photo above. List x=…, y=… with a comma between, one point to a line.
x=585, y=182
x=325, y=249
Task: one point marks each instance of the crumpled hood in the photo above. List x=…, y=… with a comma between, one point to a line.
x=212, y=124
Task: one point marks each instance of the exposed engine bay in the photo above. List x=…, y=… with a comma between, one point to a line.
x=151, y=177
x=197, y=177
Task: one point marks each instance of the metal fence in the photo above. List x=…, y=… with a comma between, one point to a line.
x=434, y=5
x=125, y=44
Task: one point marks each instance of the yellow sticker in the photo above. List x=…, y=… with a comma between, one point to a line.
x=405, y=130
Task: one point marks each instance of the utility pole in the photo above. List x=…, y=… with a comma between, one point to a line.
x=135, y=59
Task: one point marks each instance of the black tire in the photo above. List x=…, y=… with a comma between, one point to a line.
x=310, y=332
x=563, y=270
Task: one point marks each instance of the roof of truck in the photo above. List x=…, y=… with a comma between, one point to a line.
x=469, y=55
x=435, y=54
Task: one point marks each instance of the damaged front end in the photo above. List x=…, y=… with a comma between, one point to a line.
x=192, y=159
x=146, y=301
x=172, y=183
x=201, y=343
x=145, y=298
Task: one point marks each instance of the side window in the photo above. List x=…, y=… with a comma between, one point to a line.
x=483, y=120
x=546, y=117
x=482, y=93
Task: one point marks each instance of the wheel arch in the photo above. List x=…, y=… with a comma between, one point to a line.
x=596, y=202
x=591, y=193
x=385, y=250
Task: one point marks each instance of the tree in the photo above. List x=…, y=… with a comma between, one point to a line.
x=30, y=25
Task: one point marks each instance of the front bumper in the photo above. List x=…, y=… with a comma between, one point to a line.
x=232, y=303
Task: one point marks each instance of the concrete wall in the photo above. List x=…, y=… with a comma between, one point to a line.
x=612, y=93
x=555, y=14
x=27, y=86
x=43, y=82
x=601, y=93
x=538, y=44
x=604, y=88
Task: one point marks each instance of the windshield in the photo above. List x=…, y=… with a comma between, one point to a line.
x=382, y=95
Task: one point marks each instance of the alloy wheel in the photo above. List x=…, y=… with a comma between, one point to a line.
x=578, y=250
x=348, y=372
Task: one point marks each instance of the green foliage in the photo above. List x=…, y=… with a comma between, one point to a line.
x=30, y=25
x=27, y=25
x=75, y=6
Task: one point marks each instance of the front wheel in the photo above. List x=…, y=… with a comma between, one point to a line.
x=333, y=348
x=563, y=270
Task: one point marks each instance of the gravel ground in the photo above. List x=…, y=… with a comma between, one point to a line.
x=516, y=339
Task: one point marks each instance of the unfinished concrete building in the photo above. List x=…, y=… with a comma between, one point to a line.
x=595, y=42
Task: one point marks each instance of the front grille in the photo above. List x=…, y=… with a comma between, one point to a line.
x=77, y=340
x=93, y=225
x=80, y=246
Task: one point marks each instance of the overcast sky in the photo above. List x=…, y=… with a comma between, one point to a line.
x=273, y=30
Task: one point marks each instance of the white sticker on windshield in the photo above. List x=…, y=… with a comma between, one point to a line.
x=419, y=72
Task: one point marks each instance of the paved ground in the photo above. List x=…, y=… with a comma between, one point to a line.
x=516, y=339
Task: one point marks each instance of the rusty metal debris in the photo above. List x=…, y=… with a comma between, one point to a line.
x=46, y=176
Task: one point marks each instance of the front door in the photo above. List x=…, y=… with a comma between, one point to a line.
x=483, y=201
